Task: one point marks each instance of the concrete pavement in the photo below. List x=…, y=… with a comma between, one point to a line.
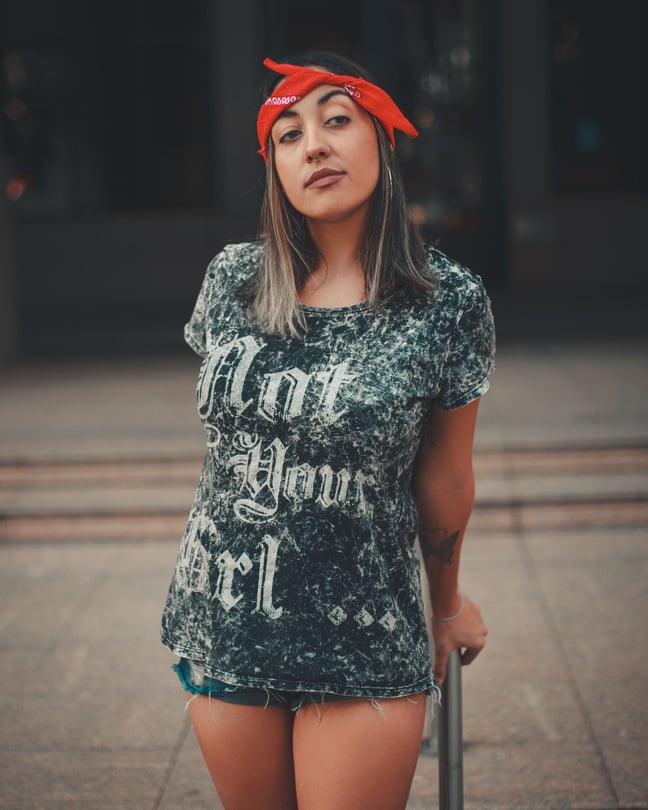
x=97, y=464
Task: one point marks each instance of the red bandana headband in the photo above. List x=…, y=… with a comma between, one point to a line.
x=301, y=80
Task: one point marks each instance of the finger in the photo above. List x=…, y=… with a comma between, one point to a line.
x=468, y=656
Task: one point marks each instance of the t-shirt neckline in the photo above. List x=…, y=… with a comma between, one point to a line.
x=360, y=306
x=310, y=308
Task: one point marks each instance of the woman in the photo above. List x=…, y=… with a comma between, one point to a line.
x=343, y=366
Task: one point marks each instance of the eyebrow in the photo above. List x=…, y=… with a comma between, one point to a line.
x=320, y=103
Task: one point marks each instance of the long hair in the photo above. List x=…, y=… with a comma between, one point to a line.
x=392, y=252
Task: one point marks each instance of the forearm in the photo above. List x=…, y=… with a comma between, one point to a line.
x=444, y=488
x=444, y=510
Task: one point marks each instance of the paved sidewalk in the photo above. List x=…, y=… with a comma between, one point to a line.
x=555, y=710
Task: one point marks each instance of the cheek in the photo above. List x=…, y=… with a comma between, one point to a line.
x=285, y=176
x=291, y=193
x=370, y=161
x=284, y=186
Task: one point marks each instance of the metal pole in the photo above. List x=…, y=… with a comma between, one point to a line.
x=451, y=739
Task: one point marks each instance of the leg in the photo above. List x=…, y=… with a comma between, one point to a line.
x=248, y=750
x=351, y=754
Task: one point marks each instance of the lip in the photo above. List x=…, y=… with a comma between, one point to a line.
x=323, y=177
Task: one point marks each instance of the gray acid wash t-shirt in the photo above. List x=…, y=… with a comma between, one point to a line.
x=298, y=568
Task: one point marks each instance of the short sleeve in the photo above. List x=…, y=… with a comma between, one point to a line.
x=471, y=352
x=195, y=331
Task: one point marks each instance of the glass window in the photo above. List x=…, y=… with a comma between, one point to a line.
x=598, y=73
x=446, y=166
x=108, y=112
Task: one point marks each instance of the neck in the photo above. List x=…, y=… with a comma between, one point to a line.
x=339, y=246
x=338, y=278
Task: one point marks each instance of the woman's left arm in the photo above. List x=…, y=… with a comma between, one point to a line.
x=444, y=490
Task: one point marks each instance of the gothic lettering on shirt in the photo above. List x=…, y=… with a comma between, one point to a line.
x=193, y=564
x=264, y=477
x=229, y=566
x=223, y=375
x=268, y=566
x=281, y=394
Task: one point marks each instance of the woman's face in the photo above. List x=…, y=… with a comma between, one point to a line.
x=326, y=155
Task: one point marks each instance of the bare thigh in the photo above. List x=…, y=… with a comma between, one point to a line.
x=248, y=751
x=350, y=755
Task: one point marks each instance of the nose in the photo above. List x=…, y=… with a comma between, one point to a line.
x=316, y=151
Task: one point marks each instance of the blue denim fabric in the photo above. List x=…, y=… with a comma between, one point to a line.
x=194, y=680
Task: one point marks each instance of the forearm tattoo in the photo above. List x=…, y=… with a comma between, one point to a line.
x=438, y=543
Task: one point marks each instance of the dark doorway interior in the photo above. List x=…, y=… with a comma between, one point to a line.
x=113, y=136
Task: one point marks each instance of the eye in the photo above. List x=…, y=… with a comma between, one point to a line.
x=289, y=136
x=338, y=120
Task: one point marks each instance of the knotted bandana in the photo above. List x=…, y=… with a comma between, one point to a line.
x=301, y=80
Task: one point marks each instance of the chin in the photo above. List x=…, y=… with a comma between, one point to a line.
x=335, y=213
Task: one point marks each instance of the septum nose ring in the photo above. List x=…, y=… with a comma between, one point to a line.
x=315, y=158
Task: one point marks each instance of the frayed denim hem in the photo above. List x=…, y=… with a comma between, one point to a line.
x=195, y=682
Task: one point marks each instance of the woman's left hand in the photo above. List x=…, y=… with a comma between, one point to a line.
x=466, y=633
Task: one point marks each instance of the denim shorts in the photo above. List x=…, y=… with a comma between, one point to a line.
x=195, y=681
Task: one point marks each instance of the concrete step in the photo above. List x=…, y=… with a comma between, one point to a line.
x=150, y=499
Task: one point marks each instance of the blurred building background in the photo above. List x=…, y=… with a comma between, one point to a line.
x=128, y=151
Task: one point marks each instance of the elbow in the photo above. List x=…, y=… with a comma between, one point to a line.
x=458, y=490
x=463, y=494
